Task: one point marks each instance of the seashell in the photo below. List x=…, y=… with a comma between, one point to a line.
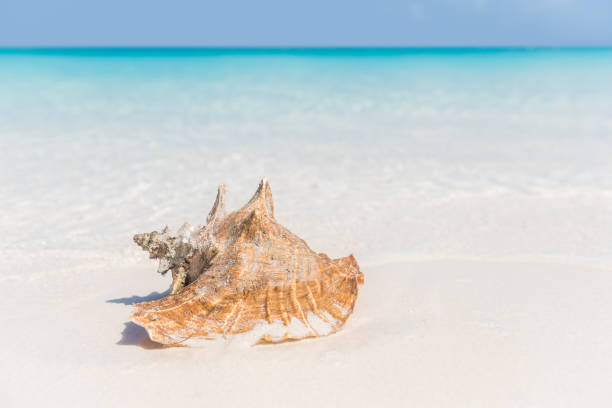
x=245, y=273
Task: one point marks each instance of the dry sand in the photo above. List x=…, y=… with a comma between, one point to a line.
x=428, y=333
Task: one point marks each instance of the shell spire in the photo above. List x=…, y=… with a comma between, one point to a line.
x=245, y=273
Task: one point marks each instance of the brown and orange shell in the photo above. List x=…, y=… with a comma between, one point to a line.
x=245, y=273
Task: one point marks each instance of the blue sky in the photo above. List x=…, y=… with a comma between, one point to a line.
x=305, y=22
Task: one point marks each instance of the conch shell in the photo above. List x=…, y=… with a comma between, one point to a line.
x=244, y=272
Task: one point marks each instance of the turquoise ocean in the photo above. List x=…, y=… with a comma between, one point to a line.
x=381, y=152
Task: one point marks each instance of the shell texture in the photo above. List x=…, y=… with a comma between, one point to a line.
x=244, y=272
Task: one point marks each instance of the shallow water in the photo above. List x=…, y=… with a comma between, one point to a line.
x=384, y=153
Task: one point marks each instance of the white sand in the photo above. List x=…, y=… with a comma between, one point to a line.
x=487, y=279
x=425, y=333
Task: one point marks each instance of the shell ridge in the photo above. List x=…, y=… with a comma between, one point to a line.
x=232, y=317
x=167, y=309
x=313, y=304
x=268, y=308
x=297, y=306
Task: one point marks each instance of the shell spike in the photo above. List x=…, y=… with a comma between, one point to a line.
x=218, y=209
x=263, y=198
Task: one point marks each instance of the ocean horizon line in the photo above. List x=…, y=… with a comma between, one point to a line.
x=280, y=50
